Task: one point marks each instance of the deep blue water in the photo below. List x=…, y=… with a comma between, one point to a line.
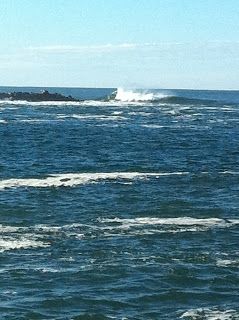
x=120, y=208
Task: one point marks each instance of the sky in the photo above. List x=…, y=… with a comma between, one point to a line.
x=129, y=43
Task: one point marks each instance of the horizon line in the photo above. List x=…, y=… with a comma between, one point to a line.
x=124, y=87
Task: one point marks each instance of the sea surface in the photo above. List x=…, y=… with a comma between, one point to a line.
x=124, y=205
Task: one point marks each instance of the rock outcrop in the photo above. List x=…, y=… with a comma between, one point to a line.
x=35, y=97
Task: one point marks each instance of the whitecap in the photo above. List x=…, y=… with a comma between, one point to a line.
x=227, y=262
x=230, y=172
x=18, y=237
x=140, y=113
x=40, y=103
x=149, y=225
x=35, y=120
x=23, y=242
x=182, y=221
x=83, y=103
x=92, y=117
x=136, y=95
x=74, y=179
x=7, y=229
x=117, y=113
x=210, y=314
x=154, y=126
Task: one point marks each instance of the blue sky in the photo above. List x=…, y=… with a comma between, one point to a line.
x=111, y=43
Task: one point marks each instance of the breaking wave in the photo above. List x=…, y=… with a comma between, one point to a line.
x=151, y=96
x=136, y=96
x=210, y=314
x=74, y=179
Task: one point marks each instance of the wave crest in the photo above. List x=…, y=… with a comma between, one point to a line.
x=142, y=96
x=137, y=96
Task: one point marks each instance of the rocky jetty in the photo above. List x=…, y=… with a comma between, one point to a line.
x=35, y=97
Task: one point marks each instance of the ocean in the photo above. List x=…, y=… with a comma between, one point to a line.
x=121, y=206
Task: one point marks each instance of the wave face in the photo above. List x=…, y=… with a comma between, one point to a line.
x=123, y=205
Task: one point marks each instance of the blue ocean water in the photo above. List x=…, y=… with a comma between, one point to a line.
x=121, y=206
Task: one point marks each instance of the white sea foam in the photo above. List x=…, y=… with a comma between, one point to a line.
x=153, y=126
x=22, y=242
x=149, y=225
x=140, y=113
x=17, y=237
x=40, y=236
x=7, y=229
x=117, y=113
x=40, y=103
x=74, y=179
x=227, y=262
x=182, y=221
x=92, y=117
x=48, y=270
x=210, y=314
x=230, y=172
x=84, y=103
x=134, y=96
x=35, y=120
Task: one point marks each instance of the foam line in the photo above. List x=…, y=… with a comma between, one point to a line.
x=74, y=179
x=210, y=314
x=182, y=221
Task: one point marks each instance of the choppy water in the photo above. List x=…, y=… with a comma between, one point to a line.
x=120, y=208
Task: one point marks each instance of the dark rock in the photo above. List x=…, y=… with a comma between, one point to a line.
x=36, y=97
